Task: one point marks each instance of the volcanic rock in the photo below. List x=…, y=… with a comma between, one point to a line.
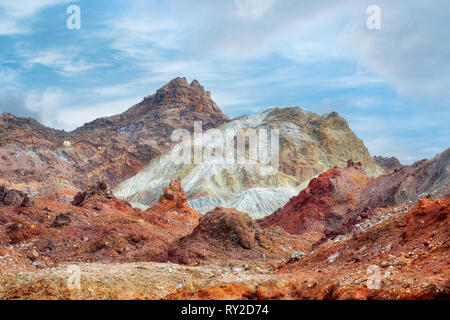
x=174, y=192
x=327, y=205
x=408, y=183
x=33, y=255
x=232, y=236
x=101, y=228
x=413, y=270
x=12, y=197
x=428, y=214
x=61, y=220
x=97, y=190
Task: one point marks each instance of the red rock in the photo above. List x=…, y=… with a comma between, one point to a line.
x=101, y=228
x=427, y=214
x=328, y=205
x=228, y=235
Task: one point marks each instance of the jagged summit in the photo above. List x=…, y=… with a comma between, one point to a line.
x=177, y=98
x=179, y=92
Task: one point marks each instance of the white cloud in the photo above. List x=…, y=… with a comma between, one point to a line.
x=13, y=13
x=410, y=51
x=253, y=8
x=55, y=107
x=72, y=117
x=65, y=63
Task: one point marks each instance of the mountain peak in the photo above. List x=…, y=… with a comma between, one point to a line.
x=180, y=92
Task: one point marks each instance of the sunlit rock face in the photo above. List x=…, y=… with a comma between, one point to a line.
x=309, y=144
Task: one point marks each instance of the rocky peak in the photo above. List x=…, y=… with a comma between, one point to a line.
x=179, y=91
x=388, y=164
x=174, y=192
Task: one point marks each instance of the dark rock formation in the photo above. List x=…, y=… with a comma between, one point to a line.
x=388, y=164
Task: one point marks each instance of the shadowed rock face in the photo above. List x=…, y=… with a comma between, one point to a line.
x=388, y=164
x=11, y=197
x=111, y=148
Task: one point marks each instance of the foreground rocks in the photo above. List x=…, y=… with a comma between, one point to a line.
x=229, y=236
x=11, y=197
x=101, y=228
x=407, y=254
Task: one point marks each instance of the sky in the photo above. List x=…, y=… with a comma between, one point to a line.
x=390, y=83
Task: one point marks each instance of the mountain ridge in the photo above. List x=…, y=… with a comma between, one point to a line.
x=309, y=145
x=109, y=148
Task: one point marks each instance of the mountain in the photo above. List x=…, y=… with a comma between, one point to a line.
x=340, y=198
x=45, y=161
x=408, y=183
x=309, y=144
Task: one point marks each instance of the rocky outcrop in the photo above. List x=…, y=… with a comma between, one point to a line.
x=232, y=236
x=112, y=148
x=388, y=164
x=98, y=227
x=309, y=145
x=11, y=197
x=100, y=189
x=431, y=215
x=174, y=192
x=329, y=204
x=172, y=210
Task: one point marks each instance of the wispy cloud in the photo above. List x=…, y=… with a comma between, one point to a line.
x=65, y=63
x=13, y=13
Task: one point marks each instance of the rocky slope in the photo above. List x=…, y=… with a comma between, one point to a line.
x=53, y=163
x=232, y=236
x=340, y=198
x=329, y=204
x=96, y=228
x=309, y=145
x=404, y=257
x=410, y=182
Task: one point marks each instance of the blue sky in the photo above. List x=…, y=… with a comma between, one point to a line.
x=392, y=85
